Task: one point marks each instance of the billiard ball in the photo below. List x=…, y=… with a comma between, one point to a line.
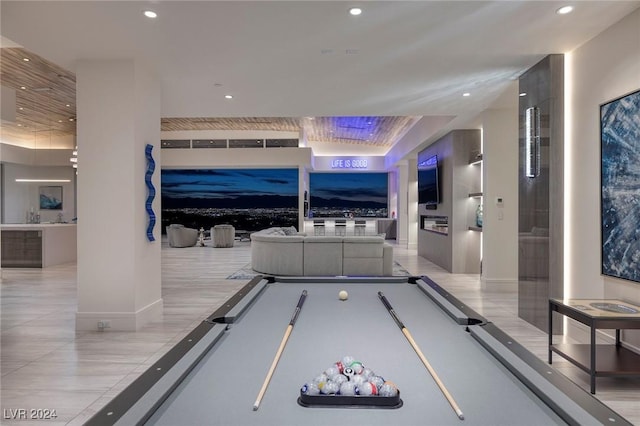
x=357, y=379
x=347, y=360
x=348, y=388
x=329, y=388
x=388, y=389
x=340, y=379
x=366, y=389
x=310, y=389
x=343, y=295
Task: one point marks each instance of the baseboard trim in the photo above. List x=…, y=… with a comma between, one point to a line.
x=120, y=321
x=498, y=284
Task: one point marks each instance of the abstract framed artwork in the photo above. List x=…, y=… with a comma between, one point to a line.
x=50, y=197
x=620, y=186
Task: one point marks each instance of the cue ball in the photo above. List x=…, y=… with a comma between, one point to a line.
x=343, y=295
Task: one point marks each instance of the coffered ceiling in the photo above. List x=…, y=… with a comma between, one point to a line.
x=370, y=131
x=286, y=61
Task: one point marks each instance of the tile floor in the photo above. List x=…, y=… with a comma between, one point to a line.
x=45, y=363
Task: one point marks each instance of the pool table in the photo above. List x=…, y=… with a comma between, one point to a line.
x=212, y=377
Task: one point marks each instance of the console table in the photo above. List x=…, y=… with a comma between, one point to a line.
x=604, y=359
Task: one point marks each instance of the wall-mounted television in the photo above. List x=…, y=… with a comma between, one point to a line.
x=428, y=188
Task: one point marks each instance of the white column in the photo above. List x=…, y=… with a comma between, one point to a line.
x=403, y=217
x=119, y=277
x=500, y=180
x=393, y=192
x=412, y=202
x=303, y=179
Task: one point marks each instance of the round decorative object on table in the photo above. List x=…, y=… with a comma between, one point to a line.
x=615, y=307
x=223, y=235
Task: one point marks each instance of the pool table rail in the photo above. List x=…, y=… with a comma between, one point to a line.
x=456, y=309
x=572, y=403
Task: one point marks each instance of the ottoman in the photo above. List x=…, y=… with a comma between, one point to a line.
x=223, y=235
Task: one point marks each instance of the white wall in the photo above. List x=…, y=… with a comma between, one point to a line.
x=236, y=157
x=500, y=179
x=35, y=157
x=605, y=68
x=19, y=197
x=228, y=134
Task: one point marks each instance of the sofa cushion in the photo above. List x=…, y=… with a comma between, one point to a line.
x=320, y=239
x=277, y=238
x=362, y=247
x=364, y=240
x=322, y=256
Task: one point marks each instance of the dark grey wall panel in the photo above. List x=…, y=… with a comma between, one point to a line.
x=541, y=209
x=459, y=251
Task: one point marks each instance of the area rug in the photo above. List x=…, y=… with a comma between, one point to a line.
x=246, y=273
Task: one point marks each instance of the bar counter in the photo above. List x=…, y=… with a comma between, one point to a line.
x=38, y=245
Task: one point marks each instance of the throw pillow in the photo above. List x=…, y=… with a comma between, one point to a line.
x=289, y=230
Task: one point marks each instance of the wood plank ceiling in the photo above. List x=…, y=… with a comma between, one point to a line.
x=45, y=98
x=46, y=108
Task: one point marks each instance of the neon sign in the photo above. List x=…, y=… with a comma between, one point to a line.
x=349, y=163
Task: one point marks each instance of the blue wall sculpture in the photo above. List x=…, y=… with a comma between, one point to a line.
x=151, y=193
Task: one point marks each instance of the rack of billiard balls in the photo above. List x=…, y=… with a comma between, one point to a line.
x=347, y=383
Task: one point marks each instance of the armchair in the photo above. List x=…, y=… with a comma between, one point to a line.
x=180, y=236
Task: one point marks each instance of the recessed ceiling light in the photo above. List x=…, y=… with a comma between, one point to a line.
x=523, y=94
x=21, y=109
x=228, y=96
x=23, y=87
x=26, y=59
x=68, y=105
x=71, y=119
x=564, y=10
x=19, y=125
x=466, y=94
x=355, y=11
x=59, y=121
x=150, y=14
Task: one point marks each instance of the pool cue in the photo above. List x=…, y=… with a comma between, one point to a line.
x=413, y=343
x=287, y=333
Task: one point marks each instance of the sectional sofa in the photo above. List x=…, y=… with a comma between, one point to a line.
x=284, y=251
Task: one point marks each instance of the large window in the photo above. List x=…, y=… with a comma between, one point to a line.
x=345, y=194
x=248, y=199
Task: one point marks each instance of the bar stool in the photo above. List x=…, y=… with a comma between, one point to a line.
x=360, y=227
x=341, y=227
x=318, y=227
